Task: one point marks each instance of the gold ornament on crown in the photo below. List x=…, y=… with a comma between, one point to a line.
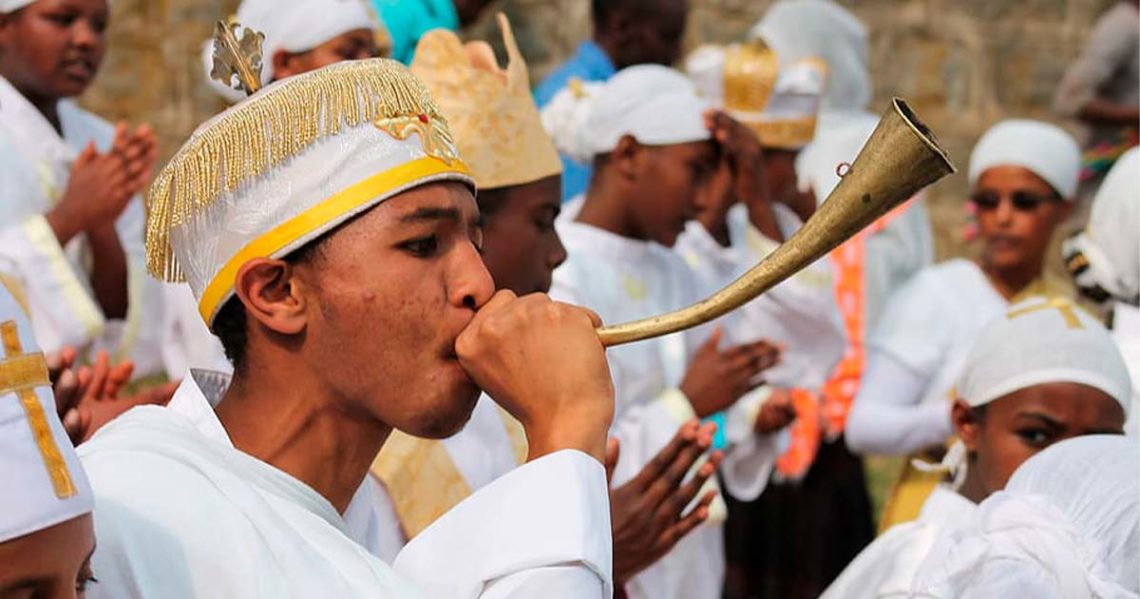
x=277, y=123
x=750, y=72
x=491, y=111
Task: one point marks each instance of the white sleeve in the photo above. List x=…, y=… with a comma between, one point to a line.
x=893, y=257
x=748, y=463
x=886, y=416
x=545, y=525
x=63, y=311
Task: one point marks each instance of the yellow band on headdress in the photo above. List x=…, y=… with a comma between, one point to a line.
x=348, y=201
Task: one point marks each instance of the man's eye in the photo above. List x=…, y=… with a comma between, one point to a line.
x=61, y=19
x=1036, y=436
x=422, y=247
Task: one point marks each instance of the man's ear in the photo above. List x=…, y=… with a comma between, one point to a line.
x=626, y=157
x=967, y=424
x=287, y=64
x=272, y=296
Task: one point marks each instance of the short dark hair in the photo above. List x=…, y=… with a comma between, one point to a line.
x=604, y=10
x=230, y=325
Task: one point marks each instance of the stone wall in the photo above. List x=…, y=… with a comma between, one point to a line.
x=963, y=64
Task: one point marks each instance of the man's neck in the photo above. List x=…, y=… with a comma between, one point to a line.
x=288, y=419
x=716, y=223
x=606, y=210
x=1011, y=281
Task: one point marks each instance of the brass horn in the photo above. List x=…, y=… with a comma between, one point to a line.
x=901, y=157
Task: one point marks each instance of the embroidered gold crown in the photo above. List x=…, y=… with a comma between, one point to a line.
x=496, y=124
x=275, y=125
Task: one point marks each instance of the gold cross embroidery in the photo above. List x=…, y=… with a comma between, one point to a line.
x=21, y=373
x=1067, y=309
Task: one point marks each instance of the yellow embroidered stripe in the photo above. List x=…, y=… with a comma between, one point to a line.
x=318, y=217
x=21, y=373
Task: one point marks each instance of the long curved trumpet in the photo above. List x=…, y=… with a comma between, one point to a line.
x=901, y=157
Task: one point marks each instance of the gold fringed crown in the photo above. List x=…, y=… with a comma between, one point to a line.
x=277, y=123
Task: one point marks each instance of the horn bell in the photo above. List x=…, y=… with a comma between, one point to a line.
x=901, y=158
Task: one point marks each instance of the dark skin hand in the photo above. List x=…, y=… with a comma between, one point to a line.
x=648, y=512
x=717, y=378
x=743, y=157
x=776, y=413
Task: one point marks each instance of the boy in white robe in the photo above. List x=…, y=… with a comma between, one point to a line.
x=1043, y=372
x=46, y=535
x=73, y=220
x=246, y=485
x=1023, y=177
x=652, y=157
x=517, y=168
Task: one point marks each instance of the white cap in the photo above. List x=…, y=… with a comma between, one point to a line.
x=1043, y=340
x=656, y=105
x=302, y=26
x=802, y=29
x=44, y=484
x=1066, y=525
x=1105, y=258
x=7, y=6
x=289, y=164
x=1046, y=150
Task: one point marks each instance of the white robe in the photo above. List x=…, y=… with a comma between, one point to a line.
x=799, y=313
x=623, y=279
x=481, y=452
x=887, y=567
x=35, y=163
x=915, y=357
x=1126, y=333
x=181, y=513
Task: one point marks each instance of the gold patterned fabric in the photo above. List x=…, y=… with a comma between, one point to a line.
x=422, y=479
x=490, y=110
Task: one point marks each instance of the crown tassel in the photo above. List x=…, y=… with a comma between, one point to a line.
x=279, y=122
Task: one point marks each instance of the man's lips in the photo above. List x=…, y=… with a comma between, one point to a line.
x=81, y=68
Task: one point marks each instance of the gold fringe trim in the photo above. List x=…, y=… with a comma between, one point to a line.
x=278, y=123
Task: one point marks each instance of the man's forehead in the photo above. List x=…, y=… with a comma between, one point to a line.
x=434, y=201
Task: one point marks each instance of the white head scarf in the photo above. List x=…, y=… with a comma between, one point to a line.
x=44, y=482
x=1067, y=525
x=1037, y=341
x=802, y=29
x=1046, y=150
x=302, y=26
x=7, y=6
x=1109, y=248
x=656, y=105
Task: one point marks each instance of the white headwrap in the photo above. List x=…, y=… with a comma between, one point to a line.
x=802, y=29
x=44, y=484
x=1046, y=150
x=1066, y=525
x=1105, y=259
x=302, y=26
x=7, y=6
x=1037, y=341
x=818, y=165
x=657, y=105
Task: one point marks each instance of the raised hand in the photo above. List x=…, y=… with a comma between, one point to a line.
x=648, y=512
x=543, y=362
x=741, y=149
x=776, y=413
x=101, y=185
x=717, y=378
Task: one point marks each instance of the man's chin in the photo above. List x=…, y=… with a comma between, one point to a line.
x=449, y=419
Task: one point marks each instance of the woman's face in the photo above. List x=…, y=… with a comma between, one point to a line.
x=52, y=49
x=53, y=563
x=1012, y=428
x=1017, y=212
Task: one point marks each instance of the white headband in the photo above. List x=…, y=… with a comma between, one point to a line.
x=1046, y=150
x=656, y=105
x=7, y=6
x=1043, y=340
